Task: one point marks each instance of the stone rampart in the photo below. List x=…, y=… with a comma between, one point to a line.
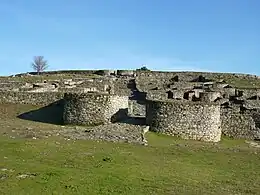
x=188, y=120
x=228, y=92
x=189, y=76
x=94, y=109
x=60, y=72
x=37, y=98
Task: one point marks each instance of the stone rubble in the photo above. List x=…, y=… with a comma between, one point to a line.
x=115, y=132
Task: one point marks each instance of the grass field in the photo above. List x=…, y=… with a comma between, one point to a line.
x=243, y=83
x=168, y=165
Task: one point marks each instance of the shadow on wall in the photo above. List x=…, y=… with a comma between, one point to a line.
x=52, y=114
x=134, y=120
x=122, y=117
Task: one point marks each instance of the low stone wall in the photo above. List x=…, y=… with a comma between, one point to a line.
x=44, y=98
x=240, y=125
x=156, y=95
x=188, y=120
x=189, y=76
x=248, y=93
x=137, y=107
x=209, y=96
x=94, y=109
x=121, y=87
x=228, y=92
x=60, y=72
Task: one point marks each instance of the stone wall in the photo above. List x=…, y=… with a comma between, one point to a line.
x=183, y=75
x=188, y=120
x=156, y=95
x=61, y=72
x=117, y=108
x=237, y=124
x=228, y=92
x=137, y=107
x=121, y=87
x=209, y=96
x=248, y=93
x=44, y=98
x=189, y=76
x=94, y=109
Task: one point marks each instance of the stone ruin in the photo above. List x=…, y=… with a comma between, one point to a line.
x=199, y=106
x=94, y=108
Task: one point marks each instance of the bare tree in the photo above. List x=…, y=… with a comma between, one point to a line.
x=39, y=64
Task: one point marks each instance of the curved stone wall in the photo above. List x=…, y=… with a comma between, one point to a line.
x=125, y=72
x=93, y=108
x=242, y=125
x=188, y=120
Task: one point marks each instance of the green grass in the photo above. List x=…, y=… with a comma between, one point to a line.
x=87, y=167
x=244, y=83
x=167, y=166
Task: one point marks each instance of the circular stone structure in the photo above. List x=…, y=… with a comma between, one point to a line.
x=94, y=108
x=185, y=119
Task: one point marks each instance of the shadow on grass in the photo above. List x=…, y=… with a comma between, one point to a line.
x=52, y=114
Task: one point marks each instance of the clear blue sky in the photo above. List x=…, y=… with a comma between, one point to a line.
x=198, y=35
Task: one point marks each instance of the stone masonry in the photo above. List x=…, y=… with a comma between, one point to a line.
x=188, y=120
x=94, y=109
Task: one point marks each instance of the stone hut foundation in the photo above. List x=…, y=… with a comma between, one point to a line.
x=188, y=120
x=94, y=108
x=209, y=96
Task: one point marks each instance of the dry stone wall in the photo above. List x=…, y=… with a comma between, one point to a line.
x=209, y=96
x=36, y=98
x=116, y=109
x=248, y=93
x=94, y=109
x=137, y=107
x=188, y=120
x=189, y=76
x=157, y=95
x=237, y=124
